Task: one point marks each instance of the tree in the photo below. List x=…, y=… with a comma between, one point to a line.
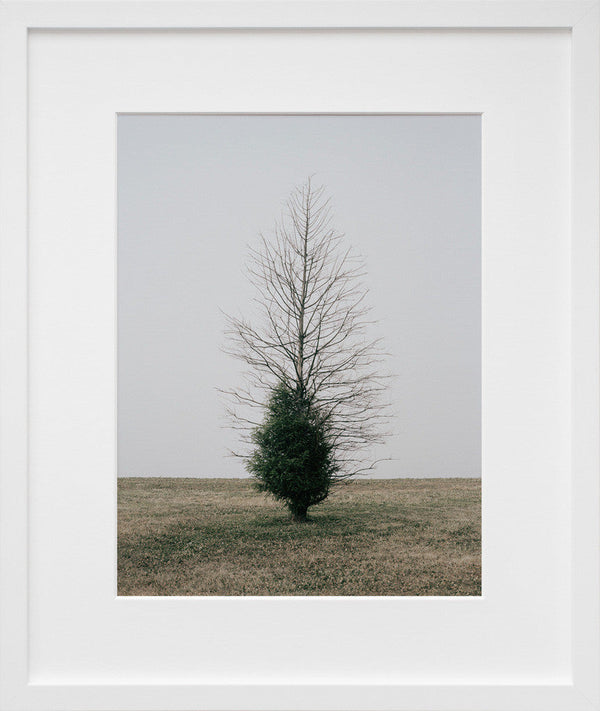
x=310, y=360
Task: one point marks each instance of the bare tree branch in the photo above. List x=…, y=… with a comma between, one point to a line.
x=311, y=331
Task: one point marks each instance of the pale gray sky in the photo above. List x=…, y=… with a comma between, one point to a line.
x=194, y=191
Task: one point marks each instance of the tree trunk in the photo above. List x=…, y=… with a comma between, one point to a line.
x=299, y=513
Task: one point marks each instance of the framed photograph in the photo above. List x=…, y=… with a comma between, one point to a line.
x=300, y=415
x=299, y=321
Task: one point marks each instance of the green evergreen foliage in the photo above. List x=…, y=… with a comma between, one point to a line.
x=293, y=459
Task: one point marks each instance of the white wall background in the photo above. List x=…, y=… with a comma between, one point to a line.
x=194, y=191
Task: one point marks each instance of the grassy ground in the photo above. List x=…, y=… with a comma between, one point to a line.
x=370, y=537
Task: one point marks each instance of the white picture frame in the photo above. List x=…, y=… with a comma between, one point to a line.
x=38, y=400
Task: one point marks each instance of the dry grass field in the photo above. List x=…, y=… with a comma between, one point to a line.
x=370, y=537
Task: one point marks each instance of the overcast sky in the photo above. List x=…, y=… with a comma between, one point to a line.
x=195, y=191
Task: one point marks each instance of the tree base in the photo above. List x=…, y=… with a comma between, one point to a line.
x=300, y=515
x=300, y=519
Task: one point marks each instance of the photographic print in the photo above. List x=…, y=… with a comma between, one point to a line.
x=299, y=355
